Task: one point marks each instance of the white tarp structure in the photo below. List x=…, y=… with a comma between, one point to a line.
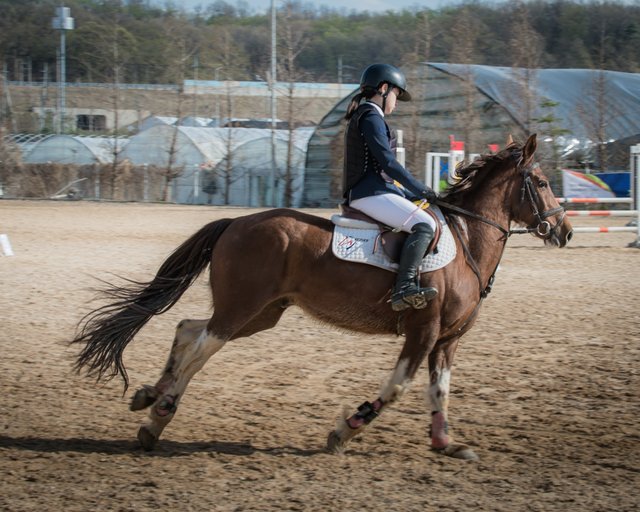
x=76, y=150
x=198, y=122
x=151, y=121
x=224, y=165
x=442, y=100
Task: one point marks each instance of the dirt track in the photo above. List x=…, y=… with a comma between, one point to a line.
x=546, y=386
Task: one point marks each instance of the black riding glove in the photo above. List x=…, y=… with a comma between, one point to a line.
x=430, y=195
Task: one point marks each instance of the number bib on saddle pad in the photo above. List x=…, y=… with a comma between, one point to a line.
x=359, y=241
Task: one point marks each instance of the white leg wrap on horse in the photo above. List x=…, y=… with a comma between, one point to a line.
x=438, y=391
x=192, y=348
x=190, y=355
x=397, y=384
x=438, y=396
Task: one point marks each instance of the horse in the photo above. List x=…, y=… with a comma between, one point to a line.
x=263, y=263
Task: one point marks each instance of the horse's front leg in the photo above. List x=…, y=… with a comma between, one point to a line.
x=417, y=345
x=192, y=347
x=440, y=362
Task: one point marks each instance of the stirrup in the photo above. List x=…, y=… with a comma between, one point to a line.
x=416, y=298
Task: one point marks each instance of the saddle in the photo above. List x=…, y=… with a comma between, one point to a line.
x=360, y=239
x=391, y=241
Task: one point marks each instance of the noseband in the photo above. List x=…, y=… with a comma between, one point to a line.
x=543, y=228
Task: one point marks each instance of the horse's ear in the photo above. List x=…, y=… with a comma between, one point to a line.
x=509, y=140
x=529, y=149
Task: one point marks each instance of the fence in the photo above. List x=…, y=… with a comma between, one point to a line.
x=434, y=163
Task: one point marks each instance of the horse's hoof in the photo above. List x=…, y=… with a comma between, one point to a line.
x=334, y=443
x=458, y=451
x=143, y=398
x=147, y=439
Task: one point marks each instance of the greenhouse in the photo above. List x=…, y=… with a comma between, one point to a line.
x=151, y=121
x=481, y=106
x=73, y=149
x=224, y=165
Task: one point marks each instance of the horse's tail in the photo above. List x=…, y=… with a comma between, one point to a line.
x=107, y=330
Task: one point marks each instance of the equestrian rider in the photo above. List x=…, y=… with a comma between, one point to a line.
x=375, y=183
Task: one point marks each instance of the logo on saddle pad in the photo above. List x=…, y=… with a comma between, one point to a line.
x=361, y=242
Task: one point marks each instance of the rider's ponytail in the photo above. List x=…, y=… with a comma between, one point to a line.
x=367, y=93
x=353, y=105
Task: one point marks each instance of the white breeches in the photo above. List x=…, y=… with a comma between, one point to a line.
x=394, y=211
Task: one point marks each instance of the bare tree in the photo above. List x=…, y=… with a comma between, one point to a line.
x=10, y=162
x=105, y=53
x=6, y=110
x=525, y=45
x=596, y=111
x=226, y=50
x=417, y=77
x=465, y=36
x=550, y=127
x=184, y=46
x=294, y=37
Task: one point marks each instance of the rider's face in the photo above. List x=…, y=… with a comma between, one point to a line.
x=392, y=99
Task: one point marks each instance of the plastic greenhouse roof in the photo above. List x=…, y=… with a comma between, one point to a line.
x=572, y=89
x=210, y=144
x=69, y=149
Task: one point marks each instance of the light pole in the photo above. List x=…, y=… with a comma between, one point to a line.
x=273, y=105
x=62, y=22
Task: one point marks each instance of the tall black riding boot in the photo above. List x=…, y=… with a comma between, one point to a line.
x=407, y=292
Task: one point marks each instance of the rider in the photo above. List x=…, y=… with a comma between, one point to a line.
x=375, y=183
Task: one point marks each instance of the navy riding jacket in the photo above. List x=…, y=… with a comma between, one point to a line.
x=370, y=164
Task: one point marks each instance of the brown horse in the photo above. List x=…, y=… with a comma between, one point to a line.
x=263, y=263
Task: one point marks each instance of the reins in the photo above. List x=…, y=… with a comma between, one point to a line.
x=543, y=228
x=528, y=190
x=467, y=213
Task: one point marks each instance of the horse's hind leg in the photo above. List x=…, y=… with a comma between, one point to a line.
x=192, y=346
x=195, y=342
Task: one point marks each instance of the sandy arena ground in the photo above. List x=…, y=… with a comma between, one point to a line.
x=545, y=388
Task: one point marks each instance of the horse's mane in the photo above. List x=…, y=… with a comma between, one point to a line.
x=472, y=175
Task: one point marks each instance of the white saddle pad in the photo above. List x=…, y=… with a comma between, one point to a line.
x=356, y=240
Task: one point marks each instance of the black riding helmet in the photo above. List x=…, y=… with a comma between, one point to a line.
x=377, y=74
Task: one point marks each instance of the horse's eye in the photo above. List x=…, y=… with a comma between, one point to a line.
x=543, y=184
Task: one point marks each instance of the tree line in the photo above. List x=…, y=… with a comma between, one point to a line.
x=135, y=42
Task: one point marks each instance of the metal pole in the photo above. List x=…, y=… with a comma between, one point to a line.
x=62, y=22
x=273, y=105
x=635, y=187
x=145, y=186
x=196, y=184
x=340, y=75
x=63, y=78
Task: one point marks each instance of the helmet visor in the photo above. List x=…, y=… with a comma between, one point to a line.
x=404, y=95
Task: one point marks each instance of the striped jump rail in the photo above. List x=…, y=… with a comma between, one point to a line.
x=594, y=229
x=604, y=229
x=591, y=200
x=602, y=213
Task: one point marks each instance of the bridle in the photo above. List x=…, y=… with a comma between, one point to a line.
x=528, y=191
x=543, y=228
